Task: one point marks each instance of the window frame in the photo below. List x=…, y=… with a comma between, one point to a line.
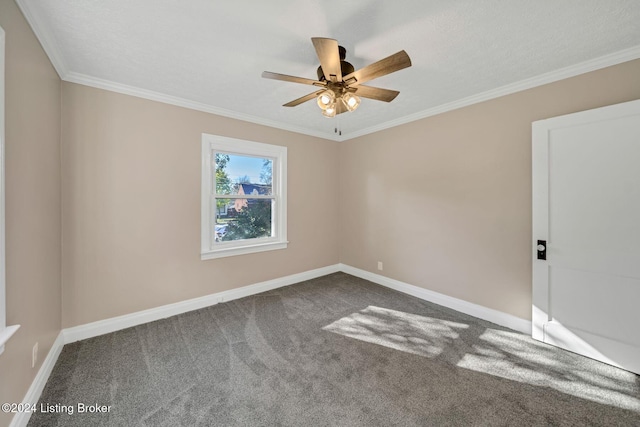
x=212, y=144
x=5, y=331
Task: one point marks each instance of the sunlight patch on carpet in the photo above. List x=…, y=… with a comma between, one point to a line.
x=509, y=355
x=411, y=333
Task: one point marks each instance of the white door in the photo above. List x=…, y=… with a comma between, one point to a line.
x=586, y=206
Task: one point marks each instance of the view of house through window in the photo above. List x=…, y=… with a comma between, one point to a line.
x=249, y=217
x=244, y=197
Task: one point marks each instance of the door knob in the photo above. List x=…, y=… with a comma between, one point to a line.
x=542, y=249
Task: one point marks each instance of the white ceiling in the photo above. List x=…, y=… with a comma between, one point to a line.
x=209, y=55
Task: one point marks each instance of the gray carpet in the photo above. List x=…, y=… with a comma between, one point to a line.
x=334, y=351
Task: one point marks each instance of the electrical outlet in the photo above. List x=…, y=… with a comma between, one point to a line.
x=34, y=355
x=380, y=265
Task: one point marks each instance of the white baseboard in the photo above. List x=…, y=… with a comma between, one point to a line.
x=113, y=324
x=106, y=326
x=21, y=419
x=479, y=311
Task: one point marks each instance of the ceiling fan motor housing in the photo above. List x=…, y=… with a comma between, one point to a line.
x=345, y=67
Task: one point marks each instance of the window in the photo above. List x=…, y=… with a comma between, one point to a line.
x=244, y=197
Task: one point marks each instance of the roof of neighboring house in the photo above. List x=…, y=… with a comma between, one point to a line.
x=259, y=189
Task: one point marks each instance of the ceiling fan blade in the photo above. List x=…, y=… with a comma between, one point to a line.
x=293, y=79
x=303, y=99
x=376, y=93
x=385, y=66
x=329, y=56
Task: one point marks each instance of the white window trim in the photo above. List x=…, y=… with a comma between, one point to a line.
x=212, y=144
x=5, y=331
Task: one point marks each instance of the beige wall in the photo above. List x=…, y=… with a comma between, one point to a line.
x=445, y=202
x=131, y=203
x=32, y=134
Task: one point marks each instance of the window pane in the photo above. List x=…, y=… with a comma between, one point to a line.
x=243, y=174
x=225, y=212
x=241, y=219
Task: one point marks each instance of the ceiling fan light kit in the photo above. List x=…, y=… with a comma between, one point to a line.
x=341, y=91
x=351, y=101
x=326, y=98
x=327, y=102
x=330, y=111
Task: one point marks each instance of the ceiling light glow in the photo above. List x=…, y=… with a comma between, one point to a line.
x=326, y=98
x=351, y=101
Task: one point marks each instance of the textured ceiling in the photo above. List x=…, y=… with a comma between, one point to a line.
x=209, y=55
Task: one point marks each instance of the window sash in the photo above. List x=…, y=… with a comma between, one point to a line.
x=243, y=242
x=274, y=176
x=212, y=145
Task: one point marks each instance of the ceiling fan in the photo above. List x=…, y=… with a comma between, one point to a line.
x=341, y=86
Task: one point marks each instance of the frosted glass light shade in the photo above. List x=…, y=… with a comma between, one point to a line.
x=326, y=98
x=351, y=101
x=330, y=111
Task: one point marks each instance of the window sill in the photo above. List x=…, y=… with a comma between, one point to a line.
x=6, y=334
x=243, y=250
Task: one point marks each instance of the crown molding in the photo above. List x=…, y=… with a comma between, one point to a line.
x=543, y=79
x=83, y=79
x=51, y=48
x=553, y=76
x=45, y=37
